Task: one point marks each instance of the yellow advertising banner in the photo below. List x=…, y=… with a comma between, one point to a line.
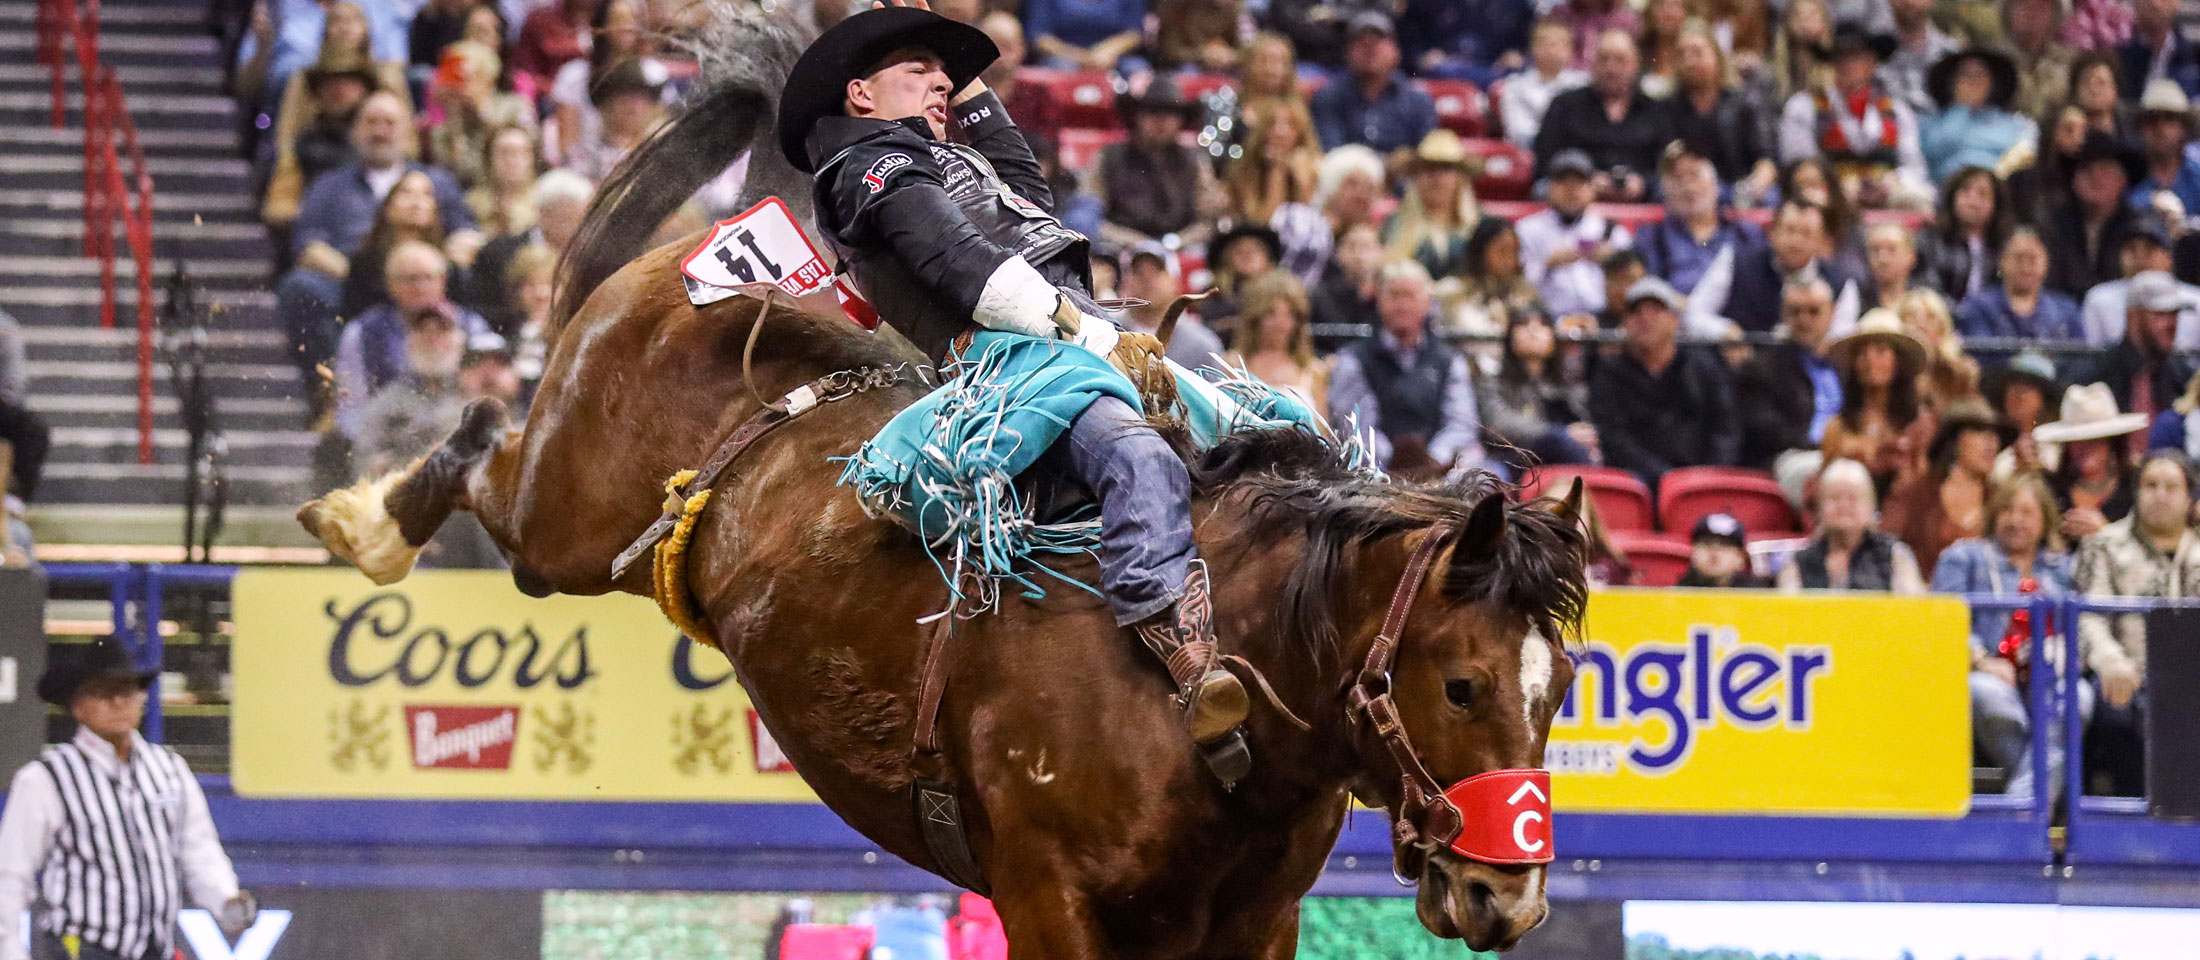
x=1741, y=702
x=453, y=684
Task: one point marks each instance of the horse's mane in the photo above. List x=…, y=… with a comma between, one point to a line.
x=1293, y=483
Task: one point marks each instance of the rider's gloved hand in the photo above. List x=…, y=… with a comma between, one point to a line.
x=1097, y=334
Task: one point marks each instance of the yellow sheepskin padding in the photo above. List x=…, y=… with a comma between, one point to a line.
x=669, y=573
x=356, y=525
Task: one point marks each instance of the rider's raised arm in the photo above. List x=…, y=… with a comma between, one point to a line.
x=890, y=193
x=987, y=127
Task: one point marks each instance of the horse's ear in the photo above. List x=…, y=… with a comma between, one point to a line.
x=1568, y=508
x=1484, y=531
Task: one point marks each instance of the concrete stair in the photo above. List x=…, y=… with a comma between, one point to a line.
x=84, y=379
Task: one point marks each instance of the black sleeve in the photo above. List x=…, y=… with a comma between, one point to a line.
x=988, y=128
x=1723, y=427
x=889, y=194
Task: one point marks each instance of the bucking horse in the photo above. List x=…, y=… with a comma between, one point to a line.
x=1413, y=638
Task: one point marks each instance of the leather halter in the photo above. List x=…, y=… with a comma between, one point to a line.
x=1426, y=820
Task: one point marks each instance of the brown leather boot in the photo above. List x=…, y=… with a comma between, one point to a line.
x=1212, y=699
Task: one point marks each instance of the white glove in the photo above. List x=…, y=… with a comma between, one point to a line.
x=1097, y=334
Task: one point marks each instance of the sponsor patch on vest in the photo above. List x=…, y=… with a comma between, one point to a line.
x=462, y=738
x=875, y=178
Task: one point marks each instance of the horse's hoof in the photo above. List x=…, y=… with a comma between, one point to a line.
x=1229, y=759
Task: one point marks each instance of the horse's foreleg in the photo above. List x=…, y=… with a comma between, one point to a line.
x=1048, y=918
x=380, y=525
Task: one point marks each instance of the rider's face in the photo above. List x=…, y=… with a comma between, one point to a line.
x=913, y=83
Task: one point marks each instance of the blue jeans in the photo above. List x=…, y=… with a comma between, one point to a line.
x=1144, y=492
x=2001, y=721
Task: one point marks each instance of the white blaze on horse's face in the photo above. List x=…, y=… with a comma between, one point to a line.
x=1535, y=673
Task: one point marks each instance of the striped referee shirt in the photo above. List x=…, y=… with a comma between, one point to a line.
x=107, y=848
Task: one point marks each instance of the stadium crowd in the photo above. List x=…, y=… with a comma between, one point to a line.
x=1615, y=239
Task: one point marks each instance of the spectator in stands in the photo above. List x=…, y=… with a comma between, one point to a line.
x=1868, y=134
x=1657, y=405
x=1849, y=551
x=1587, y=21
x=2165, y=127
x=1524, y=97
x=1950, y=375
x=2144, y=371
x=1149, y=275
x=530, y=288
x=504, y=203
x=416, y=410
x=1695, y=231
x=407, y=214
x=1892, y=259
x=372, y=354
x=1799, y=52
x=1438, y=211
x=1320, y=30
x=2096, y=80
x=1536, y=408
x=1349, y=187
x=2019, y=555
x=630, y=99
x=1607, y=566
x=1622, y=269
x=2092, y=463
x=1095, y=35
x=1561, y=245
x=1793, y=387
x=1151, y=186
x=1031, y=105
x=1281, y=162
x=1473, y=40
x=1197, y=34
x=1881, y=424
x=2152, y=553
x=2020, y=392
x=2157, y=50
x=1795, y=246
x=1711, y=114
x=2022, y=306
x=1410, y=389
x=24, y=441
x=1946, y=501
x=1346, y=293
x=2033, y=31
x=1918, y=47
x=1612, y=122
x=472, y=111
x=1972, y=120
x=1959, y=253
x=1718, y=556
x=313, y=124
x=1659, y=42
x=615, y=37
x=338, y=209
x=2146, y=250
x=1815, y=180
x=1268, y=74
x=554, y=35
x=1372, y=103
x=2098, y=24
x=437, y=25
x=560, y=199
x=1275, y=339
x=1237, y=256
x=1496, y=288
x=295, y=34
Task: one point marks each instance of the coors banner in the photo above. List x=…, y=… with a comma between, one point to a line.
x=454, y=684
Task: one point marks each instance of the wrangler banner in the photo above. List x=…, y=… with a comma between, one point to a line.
x=453, y=684
x=1731, y=702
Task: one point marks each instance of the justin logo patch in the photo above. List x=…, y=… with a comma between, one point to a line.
x=875, y=177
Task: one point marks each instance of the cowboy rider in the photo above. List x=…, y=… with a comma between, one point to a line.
x=950, y=237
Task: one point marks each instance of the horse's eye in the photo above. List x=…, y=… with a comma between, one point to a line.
x=1460, y=693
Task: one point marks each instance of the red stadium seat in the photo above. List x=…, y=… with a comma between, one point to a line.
x=1197, y=86
x=1460, y=107
x=1508, y=172
x=825, y=941
x=1077, y=148
x=1621, y=499
x=1658, y=559
x=1081, y=99
x=1691, y=493
x=1633, y=216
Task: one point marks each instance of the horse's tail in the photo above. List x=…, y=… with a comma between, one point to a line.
x=745, y=56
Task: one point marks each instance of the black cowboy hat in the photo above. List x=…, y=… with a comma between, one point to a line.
x=2100, y=145
x=1850, y=38
x=1964, y=416
x=1261, y=232
x=1940, y=81
x=105, y=660
x=817, y=86
x=2029, y=366
x=332, y=66
x=1161, y=95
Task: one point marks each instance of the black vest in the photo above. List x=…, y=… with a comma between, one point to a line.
x=1871, y=564
x=1410, y=399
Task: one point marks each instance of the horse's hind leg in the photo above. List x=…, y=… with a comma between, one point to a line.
x=380, y=525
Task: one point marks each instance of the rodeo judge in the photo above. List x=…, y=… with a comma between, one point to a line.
x=106, y=832
x=958, y=243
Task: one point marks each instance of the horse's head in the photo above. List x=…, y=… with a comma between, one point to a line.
x=1451, y=729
